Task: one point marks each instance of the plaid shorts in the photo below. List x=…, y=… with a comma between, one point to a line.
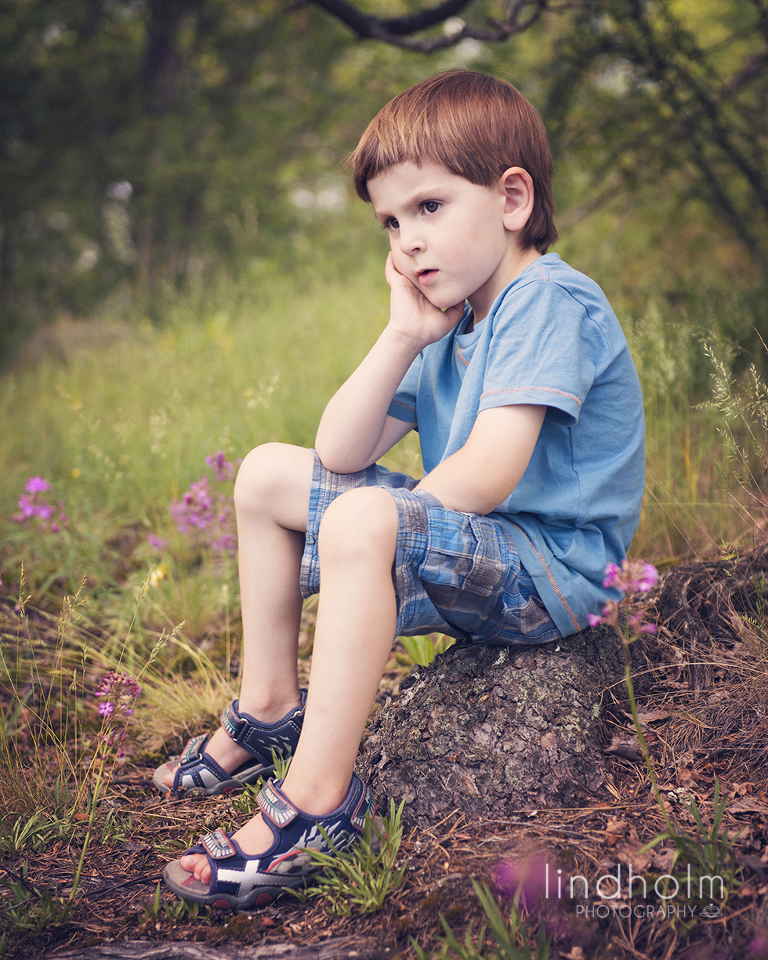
x=455, y=573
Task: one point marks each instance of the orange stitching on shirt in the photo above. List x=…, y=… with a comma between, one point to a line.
x=543, y=275
x=543, y=562
x=461, y=357
x=560, y=393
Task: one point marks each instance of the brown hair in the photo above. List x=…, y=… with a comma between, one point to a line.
x=474, y=125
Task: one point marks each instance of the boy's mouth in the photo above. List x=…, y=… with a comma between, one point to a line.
x=426, y=276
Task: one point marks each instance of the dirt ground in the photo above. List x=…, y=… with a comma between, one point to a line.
x=706, y=721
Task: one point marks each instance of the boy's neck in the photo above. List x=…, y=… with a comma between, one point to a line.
x=521, y=263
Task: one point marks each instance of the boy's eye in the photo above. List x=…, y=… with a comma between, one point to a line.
x=391, y=224
x=431, y=206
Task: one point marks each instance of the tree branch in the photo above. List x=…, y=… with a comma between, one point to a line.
x=368, y=26
x=397, y=31
x=754, y=67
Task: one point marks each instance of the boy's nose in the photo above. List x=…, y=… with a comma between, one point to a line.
x=410, y=242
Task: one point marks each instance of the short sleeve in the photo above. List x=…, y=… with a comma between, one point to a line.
x=545, y=350
x=403, y=405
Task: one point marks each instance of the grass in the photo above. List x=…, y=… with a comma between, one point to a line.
x=121, y=433
x=359, y=880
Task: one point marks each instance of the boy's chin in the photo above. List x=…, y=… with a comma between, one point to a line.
x=439, y=302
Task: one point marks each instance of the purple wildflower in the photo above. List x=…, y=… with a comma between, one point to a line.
x=758, y=946
x=631, y=578
x=206, y=513
x=637, y=624
x=526, y=879
x=539, y=889
x=37, y=485
x=223, y=468
x=157, y=543
x=120, y=692
x=33, y=505
x=226, y=543
x=195, y=510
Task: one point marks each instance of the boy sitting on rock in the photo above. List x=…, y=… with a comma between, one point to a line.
x=515, y=372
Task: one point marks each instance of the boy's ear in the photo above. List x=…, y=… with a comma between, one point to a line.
x=516, y=184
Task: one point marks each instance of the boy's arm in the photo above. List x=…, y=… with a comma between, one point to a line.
x=480, y=476
x=355, y=429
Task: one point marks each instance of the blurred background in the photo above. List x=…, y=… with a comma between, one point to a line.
x=184, y=269
x=151, y=147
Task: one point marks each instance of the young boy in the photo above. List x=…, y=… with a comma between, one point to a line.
x=515, y=372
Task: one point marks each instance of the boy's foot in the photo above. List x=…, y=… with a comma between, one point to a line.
x=241, y=880
x=243, y=749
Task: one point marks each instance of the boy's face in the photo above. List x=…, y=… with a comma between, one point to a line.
x=448, y=236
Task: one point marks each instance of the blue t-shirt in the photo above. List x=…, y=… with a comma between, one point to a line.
x=551, y=338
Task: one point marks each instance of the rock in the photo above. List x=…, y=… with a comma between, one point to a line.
x=492, y=731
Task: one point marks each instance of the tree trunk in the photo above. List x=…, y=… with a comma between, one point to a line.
x=491, y=731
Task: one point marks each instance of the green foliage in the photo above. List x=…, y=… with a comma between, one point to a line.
x=678, y=94
x=423, y=649
x=145, y=149
x=358, y=880
x=509, y=940
x=743, y=410
x=173, y=910
x=179, y=134
x=245, y=802
x=55, y=761
x=709, y=856
x=704, y=857
x=30, y=909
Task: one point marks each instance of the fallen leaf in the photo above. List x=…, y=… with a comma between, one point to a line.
x=650, y=716
x=616, y=826
x=747, y=805
x=630, y=749
x=628, y=850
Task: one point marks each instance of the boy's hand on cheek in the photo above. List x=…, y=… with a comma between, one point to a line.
x=412, y=316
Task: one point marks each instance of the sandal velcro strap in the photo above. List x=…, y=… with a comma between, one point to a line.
x=366, y=807
x=276, y=806
x=197, y=771
x=263, y=739
x=218, y=846
x=232, y=722
x=192, y=749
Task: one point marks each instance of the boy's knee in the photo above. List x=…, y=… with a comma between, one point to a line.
x=267, y=470
x=358, y=523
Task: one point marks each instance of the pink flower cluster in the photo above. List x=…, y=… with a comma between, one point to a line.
x=221, y=466
x=33, y=505
x=120, y=692
x=207, y=511
x=537, y=887
x=758, y=947
x=633, y=577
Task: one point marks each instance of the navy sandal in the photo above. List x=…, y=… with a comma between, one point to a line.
x=241, y=881
x=198, y=774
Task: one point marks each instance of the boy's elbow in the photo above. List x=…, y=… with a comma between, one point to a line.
x=336, y=461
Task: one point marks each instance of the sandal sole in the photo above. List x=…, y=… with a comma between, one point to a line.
x=238, y=782
x=186, y=887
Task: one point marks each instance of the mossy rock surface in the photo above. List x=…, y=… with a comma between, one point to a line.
x=492, y=731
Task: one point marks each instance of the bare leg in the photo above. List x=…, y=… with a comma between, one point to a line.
x=355, y=628
x=271, y=501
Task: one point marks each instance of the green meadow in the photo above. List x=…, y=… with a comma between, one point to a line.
x=108, y=421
